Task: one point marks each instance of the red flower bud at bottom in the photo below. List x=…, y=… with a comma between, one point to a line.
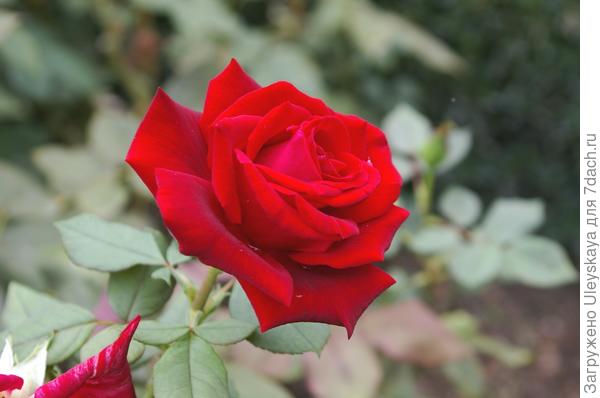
x=10, y=382
x=105, y=375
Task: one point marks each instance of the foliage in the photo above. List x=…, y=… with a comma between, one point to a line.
x=72, y=93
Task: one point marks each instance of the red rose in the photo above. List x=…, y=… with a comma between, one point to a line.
x=274, y=187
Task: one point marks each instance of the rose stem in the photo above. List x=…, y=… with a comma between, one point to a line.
x=204, y=291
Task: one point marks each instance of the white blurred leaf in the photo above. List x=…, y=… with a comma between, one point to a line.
x=110, y=133
x=290, y=63
x=460, y=205
x=68, y=169
x=509, y=219
x=377, y=32
x=22, y=196
x=136, y=184
x=106, y=197
x=406, y=129
x=25, y=248
x=9, y=21
x=458, y=144
x=326, y=19
x=435, y=239
x=346, y=368
x=405, y=166
x=475, y=264
x=538, y=262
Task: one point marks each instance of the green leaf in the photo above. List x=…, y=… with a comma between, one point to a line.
x=176, y=310
x=293, y=338
x=174, y=257
x=190, y=368
x=133, y=292
x=538, y=262
x=508, y=219
x=157, y=333
x=435, y=239
x=406, y=129
x=163, y=274
x=460, y=205
x=33, y=318
x=106, y=337
x=252, y=385
x=22, y=196
x=225, y=331
x=475, y=264
x=105, y=246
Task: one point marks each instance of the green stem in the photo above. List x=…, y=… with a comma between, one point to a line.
x=204, y=291
x=149, y=388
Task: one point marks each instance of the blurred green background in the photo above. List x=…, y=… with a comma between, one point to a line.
x=76, y=76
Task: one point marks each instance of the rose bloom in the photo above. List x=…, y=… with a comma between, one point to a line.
x=274, y=187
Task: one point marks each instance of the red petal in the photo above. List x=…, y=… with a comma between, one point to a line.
x=260, y=102
x=293, y=157
x=368, y=246
x=274, y=123
x=192, y=214
x=356, y=132
x=324, y=222
x=9, y=383
x=228, y=134
x=386, y=193
x=105, y=375
x=269, y=220
x=168, y=137
x=322, y=294
x=224, y=89
x=346, y=190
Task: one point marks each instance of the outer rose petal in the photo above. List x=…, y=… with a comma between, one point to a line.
x=105, y=375
x=228, y=134
x=322, y=294
x=386, y=193
x=193, y=215
x=224, y=89
x=10, y=382
x=368, y=246
x=168, y=137
x=260, y=102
